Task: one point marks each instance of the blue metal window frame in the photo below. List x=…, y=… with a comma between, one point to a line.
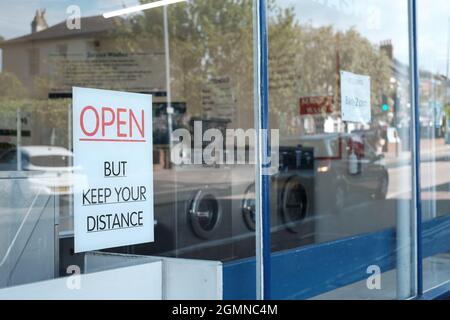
x=310, y=266
x=415, y=78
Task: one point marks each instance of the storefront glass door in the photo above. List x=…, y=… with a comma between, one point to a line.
x=75, y=161
x=342, y=215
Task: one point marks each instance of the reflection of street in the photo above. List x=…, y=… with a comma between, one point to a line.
x=401, y=189
x=371, y=216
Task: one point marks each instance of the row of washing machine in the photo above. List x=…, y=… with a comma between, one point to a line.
x=209, y=213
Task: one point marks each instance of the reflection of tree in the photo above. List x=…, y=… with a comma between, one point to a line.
x=305, y=61
x=54, y=114
x=208, y=39
x=46, y=115
x=215, y=39
x=12, y=97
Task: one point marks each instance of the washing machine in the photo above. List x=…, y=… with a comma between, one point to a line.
x=292, y=199
x=192, y=215
x=243, y=211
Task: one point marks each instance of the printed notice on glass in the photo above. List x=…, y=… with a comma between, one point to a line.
x=112, y=142
x=355, y=98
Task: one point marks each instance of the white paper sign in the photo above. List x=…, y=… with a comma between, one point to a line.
x=112, y=141
x=355, y=98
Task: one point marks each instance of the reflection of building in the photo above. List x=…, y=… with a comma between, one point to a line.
x=61, y=58
x=43, y=61
x=434, y=95
x=28, y=57
x=39, y=23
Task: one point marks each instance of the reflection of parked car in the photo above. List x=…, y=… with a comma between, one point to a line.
x=51, y=166
x=347, y=168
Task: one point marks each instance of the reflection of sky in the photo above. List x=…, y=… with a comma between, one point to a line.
x=378, y=20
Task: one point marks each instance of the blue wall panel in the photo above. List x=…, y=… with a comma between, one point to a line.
x=309, y=271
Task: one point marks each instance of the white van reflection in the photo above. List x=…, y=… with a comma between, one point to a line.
x=50, y=165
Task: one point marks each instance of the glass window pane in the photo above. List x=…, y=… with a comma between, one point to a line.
x=341, y=199
x=434, y=60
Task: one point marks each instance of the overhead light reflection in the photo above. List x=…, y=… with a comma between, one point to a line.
x=142, y=7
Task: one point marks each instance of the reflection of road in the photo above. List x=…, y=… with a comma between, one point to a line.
x=370, y=216
x=434, y=174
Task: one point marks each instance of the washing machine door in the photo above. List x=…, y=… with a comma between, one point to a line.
x=294, y=206
x=249, y=208
x=205, y=214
